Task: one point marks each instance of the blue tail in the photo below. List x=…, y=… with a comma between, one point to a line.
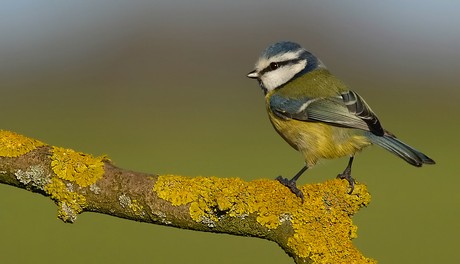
x=401, y=149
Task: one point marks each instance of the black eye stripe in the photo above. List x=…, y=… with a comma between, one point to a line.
x=279, y=64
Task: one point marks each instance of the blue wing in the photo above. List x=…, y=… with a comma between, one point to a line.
x=345, y=110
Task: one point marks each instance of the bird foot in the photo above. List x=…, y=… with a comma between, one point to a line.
x=347, y=176
x=291, y=185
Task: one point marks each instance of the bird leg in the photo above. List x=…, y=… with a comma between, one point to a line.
x=346, y=174
x=291, y=183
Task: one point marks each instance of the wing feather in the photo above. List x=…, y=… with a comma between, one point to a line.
x=346, y=110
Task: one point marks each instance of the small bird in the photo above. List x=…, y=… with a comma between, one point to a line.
x=317, y=114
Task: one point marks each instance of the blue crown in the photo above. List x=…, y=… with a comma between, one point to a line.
x=281, y=47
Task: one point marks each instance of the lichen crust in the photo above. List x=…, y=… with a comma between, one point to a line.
x=70, y=203
x=81, y=168
x=14, y=145
x=322, y=224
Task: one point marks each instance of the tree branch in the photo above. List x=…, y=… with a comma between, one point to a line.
x=316, y=231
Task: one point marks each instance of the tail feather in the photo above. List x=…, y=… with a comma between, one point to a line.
x=401, y=149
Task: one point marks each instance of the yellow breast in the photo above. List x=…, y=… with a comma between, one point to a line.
x=317, y=140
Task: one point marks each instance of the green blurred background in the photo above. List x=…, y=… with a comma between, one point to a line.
x=160, y=87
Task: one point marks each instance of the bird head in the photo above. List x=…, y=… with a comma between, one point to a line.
x=282, y=62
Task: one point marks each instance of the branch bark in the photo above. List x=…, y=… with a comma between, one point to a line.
x=319, y=230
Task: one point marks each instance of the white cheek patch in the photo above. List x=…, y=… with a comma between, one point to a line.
x=282, y=75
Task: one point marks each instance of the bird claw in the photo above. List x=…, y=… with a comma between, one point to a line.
x=292, y=186
x=351, y=181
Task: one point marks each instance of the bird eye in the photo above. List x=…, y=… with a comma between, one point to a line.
x=274, y=66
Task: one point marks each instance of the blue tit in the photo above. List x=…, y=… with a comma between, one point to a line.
x=317, y=114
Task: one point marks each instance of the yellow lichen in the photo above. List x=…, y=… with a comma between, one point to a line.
x=70, y=203
x=322, y=225
x=14, y=145
x=136, y=207
x=328, y=227
x=81, y=168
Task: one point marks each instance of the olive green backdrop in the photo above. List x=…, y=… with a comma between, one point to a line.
x=160, y=87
